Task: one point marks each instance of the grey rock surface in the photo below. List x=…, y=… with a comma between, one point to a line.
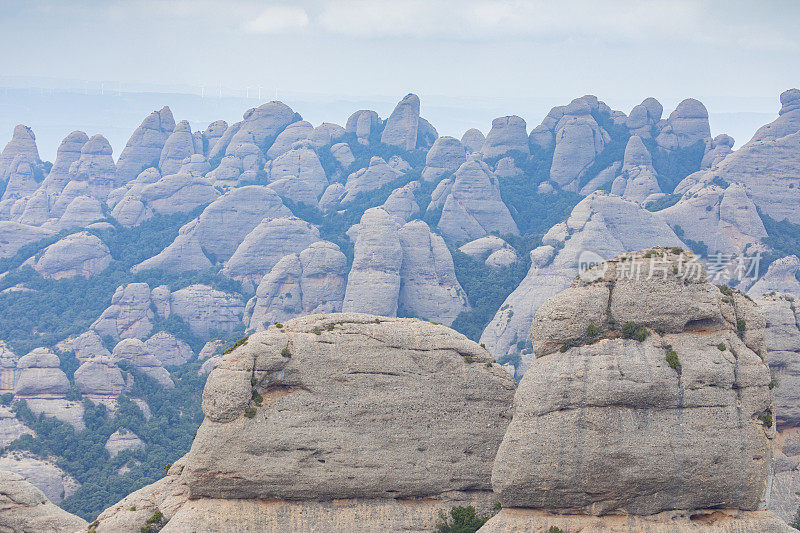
x=42, y=474
x=219, y=230
x=136, y=353
x=578, y=141
x=473, y=207
x=80, y=254
x=703, y=521
x=781, y=276
x=21, y=147
x=364, y=124
x=301, y=164
x=782, y=312
x=85, y=346
x=10, y=428
x=205, y=309
x=294, y=132
x=121, y=440
x=24, y=508
x=212, y=134
x=81, y=212
x=129, y=315
x=312, y=281
x=168, y=349
x=99, y=377
x=374, y=176
x=726, y=220
x=508, y=134
x=444, y=157
x=638, y=436
x=402, y=203
x=600, y=227
x=402, y=125
x=328, y=367
x=473, y=140
x=261, y=125
x=373, y=284
x=429, y=288
x=768, y=165
x=343, y=155
x=144, y=148
x=178, y=146
x=263, y=247
x=39, y=375
x=356, y=345
x=14, y=236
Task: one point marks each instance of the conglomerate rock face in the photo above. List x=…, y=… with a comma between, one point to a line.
x=647, y=377
x=25, y=508
x=390, y=418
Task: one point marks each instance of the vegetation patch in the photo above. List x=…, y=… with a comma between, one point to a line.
x=672, y=360
x=631, y=330
x=154, y=523
x=240, y=342
x=167, y=435
x=461, y=520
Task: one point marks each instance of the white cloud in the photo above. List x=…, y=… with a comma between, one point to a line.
x=278, y=19
x=622, y=21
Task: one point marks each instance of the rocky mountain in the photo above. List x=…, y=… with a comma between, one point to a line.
x=349, y=408
x=26, y=508
x=123, y=280
x=657, y=376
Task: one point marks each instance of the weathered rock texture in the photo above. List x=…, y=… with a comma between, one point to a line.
x=472, y=207
x=508, y=135
x=769, y=164
x=406, y=268
x=312, y=281
x=349, y=409
x=40, y=376
x=168, y=349
x=218, y=231
x=781, y=276
x=24, y=508
x=600, y=227
x=444, y=157
x=122, y=440
x=401, y=126
x=263, y=247
x=79, y=254
x=21, y=147
x=129, y=315
x=374, y=176
x=205, y=309
x=641, y=426
x=145, y=145
x=44, y=474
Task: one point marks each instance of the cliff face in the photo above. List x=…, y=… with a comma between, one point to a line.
x=339, y=422
x=208, y=234
x=24, y=508
x=646, y=377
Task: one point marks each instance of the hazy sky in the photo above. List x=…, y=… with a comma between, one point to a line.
x=464, y=48
x=732, y=55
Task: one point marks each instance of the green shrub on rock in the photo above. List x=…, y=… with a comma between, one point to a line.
x=461, y=520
